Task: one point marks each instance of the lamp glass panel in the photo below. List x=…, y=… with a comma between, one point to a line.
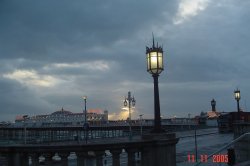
x=153, y=60
x=125, y=102
x=160, y=62
x=237, y=95
x=148, y=62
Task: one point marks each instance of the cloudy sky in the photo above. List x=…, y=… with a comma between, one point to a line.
x=52, y=52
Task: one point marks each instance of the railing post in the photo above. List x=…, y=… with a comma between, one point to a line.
x=231, y=156
x=161, y=149
x=147, y=156
x=24, y=158
x=48, y=158
x=34, y=159
x=131, y=156
x=14, y=159
x=17, y=159
x=81, y=156
x=116, y=156
x=64, y=158
x=99, y=157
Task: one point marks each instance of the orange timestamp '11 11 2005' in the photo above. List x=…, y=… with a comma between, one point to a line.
x=217, y=158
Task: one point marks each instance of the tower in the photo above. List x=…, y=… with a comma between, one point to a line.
x=213, y=104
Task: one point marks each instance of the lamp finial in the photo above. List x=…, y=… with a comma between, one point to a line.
x=153, y=39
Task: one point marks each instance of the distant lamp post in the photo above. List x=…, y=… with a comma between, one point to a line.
x=155, y=67
x=141, y=122
x=25, y=128
x=86, y=125
x=237, y=98
x=128, y=102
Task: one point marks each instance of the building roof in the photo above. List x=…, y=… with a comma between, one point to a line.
x=212, y=114
x=61, y=112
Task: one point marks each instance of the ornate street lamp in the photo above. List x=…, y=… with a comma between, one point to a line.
x=86, y=125
x=237, y=98
x=155, y=67
x=128, y=102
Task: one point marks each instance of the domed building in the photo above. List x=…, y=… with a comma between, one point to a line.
x=63, y=117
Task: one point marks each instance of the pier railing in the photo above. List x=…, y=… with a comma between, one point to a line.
x=154, y=149
x=239, y=148
x=37, y=135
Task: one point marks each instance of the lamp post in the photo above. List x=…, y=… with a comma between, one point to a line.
x=25, y=128
x=127, y=102
x=141, y=122
x=189, y=120
x=86, y=125
x=155, y=67
x=237, y=98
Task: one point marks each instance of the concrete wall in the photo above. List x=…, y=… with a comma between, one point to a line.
x=212, y=122
x=242, y=147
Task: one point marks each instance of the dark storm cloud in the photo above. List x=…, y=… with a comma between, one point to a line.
x=53, y=52
x=48, y=30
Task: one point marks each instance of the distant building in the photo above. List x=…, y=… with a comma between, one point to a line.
x=209, y=118
x=63, y=118
x=212, y=115
x=176, y=120
x=212, y=118
x=4, y=124
x=202, y=118
x=227, y=119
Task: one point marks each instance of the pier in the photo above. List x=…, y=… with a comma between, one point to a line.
x=154, y=149
x=25, y=145
x=36, y=135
